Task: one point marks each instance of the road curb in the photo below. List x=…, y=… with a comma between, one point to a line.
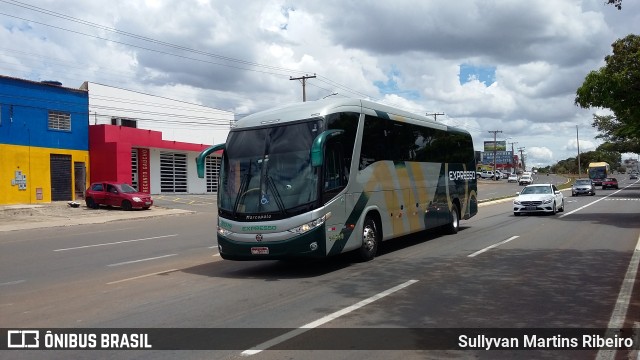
x=121, y=215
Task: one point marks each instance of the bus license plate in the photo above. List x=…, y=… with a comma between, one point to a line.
x=259, y=251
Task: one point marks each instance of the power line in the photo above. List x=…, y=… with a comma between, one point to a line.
x=131, y=35
x=166, y=44
x=304, y=82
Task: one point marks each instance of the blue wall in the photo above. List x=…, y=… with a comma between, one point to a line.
x=24, y=114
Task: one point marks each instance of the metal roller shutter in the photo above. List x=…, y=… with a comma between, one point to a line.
x=212, y=170
x=61, y=186
x=173, y=172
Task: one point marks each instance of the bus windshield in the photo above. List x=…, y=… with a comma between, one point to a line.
x=266, y=172
x=597, y=173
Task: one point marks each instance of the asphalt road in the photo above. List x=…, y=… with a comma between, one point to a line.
x=499, y=271
x=492, y=189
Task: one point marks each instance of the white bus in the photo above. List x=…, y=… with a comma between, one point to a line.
x=321, y=178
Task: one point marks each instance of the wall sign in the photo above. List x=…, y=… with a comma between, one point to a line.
x=143, y=171
x=20, y=179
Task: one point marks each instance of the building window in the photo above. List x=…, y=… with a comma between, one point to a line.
x=59, y=120
x=124, y=122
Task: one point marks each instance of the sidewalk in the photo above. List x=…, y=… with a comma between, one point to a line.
x=59, y=213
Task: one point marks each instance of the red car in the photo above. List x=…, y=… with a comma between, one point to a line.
x=610, y=183
x=116, y=194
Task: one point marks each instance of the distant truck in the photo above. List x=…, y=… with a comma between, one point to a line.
x=598, y=171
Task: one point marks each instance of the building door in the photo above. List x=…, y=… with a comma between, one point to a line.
x=80, y=175
x=212, y=168
x=173, y=172
x=61, y=186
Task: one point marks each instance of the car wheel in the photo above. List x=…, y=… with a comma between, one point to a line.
x=91, y=204
x=452, y=227
x=562, y=207
x=554, y=210
x=370, y=239
x=126, y=205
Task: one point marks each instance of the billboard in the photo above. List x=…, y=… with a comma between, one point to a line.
x=495, y=145
x=502, y=157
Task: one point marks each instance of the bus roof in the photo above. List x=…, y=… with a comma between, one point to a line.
x=310, y=109
x=598, y=164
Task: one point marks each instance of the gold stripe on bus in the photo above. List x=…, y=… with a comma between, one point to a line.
x=408, y=197
x=421, y=189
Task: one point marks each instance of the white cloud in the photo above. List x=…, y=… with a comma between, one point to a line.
x=239, y=56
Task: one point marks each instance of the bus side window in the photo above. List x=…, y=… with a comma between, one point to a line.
x=334, y=177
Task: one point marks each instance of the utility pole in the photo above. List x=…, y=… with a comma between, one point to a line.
x=304, y=83
x=513, y=161
x=521, y=149
x=495, y=145
x=578, y=142
x=435, y=115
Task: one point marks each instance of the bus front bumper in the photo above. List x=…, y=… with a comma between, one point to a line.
x=309, y=245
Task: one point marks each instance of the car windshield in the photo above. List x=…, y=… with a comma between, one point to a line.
x=583, y=182
x=268, y=170
x=536, y=190
x=126, y=188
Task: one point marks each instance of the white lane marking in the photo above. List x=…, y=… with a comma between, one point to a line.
x=142, y=276
x=13, y=282
x=304, y=328
x=141, y=260
x=492, y=246
x=116, y=243
x=622, y=303
x=589, y=204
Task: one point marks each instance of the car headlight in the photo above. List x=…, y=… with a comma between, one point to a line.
x=547, y=201
x=310, y=225
x=516, y=202
x=136, y=199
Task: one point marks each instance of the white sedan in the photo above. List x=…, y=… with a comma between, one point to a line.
x=512, y=177
x=544, y=198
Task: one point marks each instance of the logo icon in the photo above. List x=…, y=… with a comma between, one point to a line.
x=21, y=339
x=259, y=237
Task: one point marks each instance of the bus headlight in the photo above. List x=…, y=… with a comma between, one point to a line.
x=223, y=231
x=310, y=225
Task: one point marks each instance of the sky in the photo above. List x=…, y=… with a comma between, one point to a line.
x=509, y=66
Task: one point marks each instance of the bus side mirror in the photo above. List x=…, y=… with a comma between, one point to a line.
x=317, y=148
x=203, y=155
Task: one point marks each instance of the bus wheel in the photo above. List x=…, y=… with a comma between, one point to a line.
x=452, y=227
x=370, y=240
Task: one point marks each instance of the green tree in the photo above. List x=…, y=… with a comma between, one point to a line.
x=616, y=86
x=613, y=158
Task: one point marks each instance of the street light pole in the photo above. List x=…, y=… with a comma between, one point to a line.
x=578, y=142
